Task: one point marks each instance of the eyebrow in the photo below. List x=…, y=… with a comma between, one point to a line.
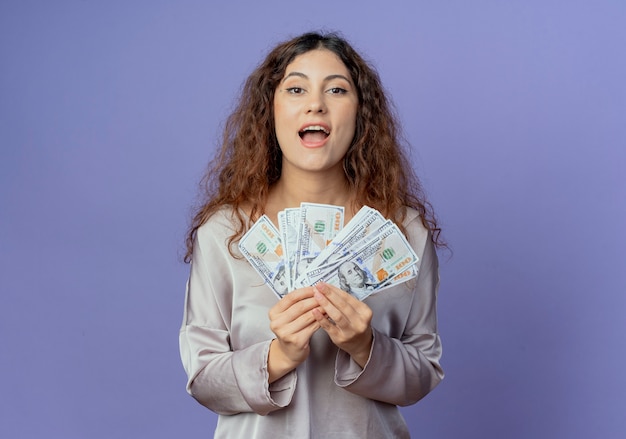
x=328, y=78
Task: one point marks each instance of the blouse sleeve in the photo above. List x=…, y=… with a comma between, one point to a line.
x=402, y=369
x=225, y=380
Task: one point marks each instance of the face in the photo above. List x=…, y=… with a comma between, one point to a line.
x=315, y=108
x=352, y=274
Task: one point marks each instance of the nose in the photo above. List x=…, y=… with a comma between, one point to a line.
x=316, y=103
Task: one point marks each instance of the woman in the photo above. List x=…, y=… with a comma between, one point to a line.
x=314, y=125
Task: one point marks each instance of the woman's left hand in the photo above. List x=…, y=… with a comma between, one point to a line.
x=346, y=320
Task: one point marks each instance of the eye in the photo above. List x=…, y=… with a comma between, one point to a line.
x=337, y=91
x=295, y=90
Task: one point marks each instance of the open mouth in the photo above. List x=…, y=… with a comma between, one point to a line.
x=314, y=134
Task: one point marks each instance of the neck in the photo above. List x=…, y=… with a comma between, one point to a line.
x=295, y=188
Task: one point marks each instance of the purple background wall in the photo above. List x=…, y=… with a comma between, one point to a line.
x=110, y=110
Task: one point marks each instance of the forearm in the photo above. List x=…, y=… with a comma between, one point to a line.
x=233, y=382
x=396, y=372
x=361, y=354
x=278, y=364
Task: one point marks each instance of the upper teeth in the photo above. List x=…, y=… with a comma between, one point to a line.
x=315, y=128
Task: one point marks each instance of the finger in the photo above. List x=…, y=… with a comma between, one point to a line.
x=348, y=316
x=293, y=321
x=323, y=320
x=293, y=307
x=298, y=328
x=309, y=330
x=336, y=295
x=333, y=313
x=341, y=300
x=300, y=308
x=293, y=297
x=299, y=339
x=344, y=301
x=302, y=322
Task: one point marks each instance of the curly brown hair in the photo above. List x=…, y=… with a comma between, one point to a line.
x=376, y=166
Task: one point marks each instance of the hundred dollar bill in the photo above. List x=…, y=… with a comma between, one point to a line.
x=319, y=224
x=370, y=267
x=289, y=225
x=406, y=275
x=319, y=269
x=364, y=224
x=262, y=247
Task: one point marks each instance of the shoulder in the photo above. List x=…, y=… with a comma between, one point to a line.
x=417, y=235
x=218, y=229
x=420, y=239
x=222, y=221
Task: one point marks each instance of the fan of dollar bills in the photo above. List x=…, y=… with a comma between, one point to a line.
x=369, y=254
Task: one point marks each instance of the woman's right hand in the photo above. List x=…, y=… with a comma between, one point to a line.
x=294, y=324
